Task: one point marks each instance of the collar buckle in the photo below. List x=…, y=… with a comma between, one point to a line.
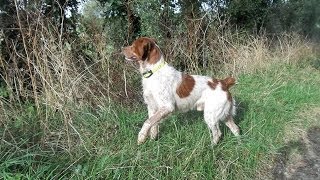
x=147, y=74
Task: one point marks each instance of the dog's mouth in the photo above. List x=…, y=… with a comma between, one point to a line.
x=129, y=59
x=132, y=58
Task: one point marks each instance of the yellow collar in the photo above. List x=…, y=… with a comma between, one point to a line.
x=149, y=73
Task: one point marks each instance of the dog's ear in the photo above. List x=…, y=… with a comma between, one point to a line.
x=228, y=82
x=154, y=40
x=148, y=46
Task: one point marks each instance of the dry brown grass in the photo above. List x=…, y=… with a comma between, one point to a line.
x=226, y=52
x=62, y=72
x=55, y=76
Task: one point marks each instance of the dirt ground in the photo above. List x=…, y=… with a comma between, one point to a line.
x=300, y=159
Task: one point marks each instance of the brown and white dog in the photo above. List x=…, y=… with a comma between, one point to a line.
x=165, y=90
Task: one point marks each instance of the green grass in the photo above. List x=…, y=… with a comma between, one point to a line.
x=104, y=146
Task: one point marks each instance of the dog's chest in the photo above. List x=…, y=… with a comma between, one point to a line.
x=158, y=89
x=154, y=86
x=148, y=91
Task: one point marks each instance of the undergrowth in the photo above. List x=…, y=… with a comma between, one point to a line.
x=101, y=143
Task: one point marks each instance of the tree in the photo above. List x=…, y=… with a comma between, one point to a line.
x=120, y=13
x=295, y=15
x=248, y=14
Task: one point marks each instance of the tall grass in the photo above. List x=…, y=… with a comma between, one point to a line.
x=65, y=113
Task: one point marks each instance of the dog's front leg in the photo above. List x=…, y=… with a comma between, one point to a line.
x=153, y=120
x=154, y=130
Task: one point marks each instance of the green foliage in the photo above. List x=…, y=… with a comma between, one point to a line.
x=4, y=93
x=248, y=14
x=295, y=15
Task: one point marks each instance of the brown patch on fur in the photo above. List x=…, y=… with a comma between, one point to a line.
x=213, y=84
x=186, y=86
x=154, y=55
x=143, y=49
x=225, y=85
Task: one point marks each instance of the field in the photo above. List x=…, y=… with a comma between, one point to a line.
x=71, y=107
x=277, y=106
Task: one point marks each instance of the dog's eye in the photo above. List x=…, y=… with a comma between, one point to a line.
x=133, y=57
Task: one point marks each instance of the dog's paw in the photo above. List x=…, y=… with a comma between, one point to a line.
x=142, y=137
x=143, y=134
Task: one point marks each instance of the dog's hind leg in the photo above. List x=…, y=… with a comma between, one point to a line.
x=232, y=126
x=216, y=134
x=213, y=125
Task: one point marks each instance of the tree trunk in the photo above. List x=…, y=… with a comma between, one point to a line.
x=134, y=25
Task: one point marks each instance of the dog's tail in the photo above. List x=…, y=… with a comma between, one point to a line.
x=228, y=82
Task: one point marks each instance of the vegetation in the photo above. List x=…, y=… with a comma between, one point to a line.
x=70, y=107
x=103, y=142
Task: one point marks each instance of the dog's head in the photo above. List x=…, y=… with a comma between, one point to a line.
x=143, y=49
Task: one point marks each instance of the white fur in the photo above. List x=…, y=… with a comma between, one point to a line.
x=159, y=92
